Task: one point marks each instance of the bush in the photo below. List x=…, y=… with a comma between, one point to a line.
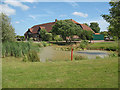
x=48, y=36
x=32, y=57
x=98, y=57
x=82, y=45
x=79, y=57
x=85, y=42
x=25, y=58
x=44, y=44
x=40, y=45
x=17, y=49
x=58, y=38
x=113, y=54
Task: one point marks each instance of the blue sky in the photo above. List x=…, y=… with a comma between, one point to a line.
x=26, y=14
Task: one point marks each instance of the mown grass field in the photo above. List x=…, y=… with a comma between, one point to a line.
x=99, y=73
x=111, y=46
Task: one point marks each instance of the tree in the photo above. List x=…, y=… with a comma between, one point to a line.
x=86, y=35
x=95, y=27
x=89, y=35
x=8, y=32
x=48, y=36
x=57, y=38
x=65, y=28
x=113, y=18
x=42, y=34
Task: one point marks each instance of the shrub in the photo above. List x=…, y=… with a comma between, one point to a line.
x=79, y=57
x=32, y=56
x=44, y=43
x=113, y=54
x=40, y=45
x=98, y=57
x=48, y=36
x=17, y=49
x=84, y=44
x=58, y=38
x=25, y=58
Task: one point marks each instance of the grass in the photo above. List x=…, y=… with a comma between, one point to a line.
x=18, y=49
x=100, y=73
x=111, y=46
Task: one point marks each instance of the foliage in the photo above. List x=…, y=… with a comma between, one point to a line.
x=25, y=58
x=110, y=46
x=43, y=44
x=113, y=54
x=48, y=36
x=79, y=57
x=17, y=49
x=32, y=56
x=58, y=38
x=95, y=27
x=114, y=18
x=20, y=38
x=84, y=44
x=85, y=35
x=65, y=28
x=8, y=32
x=43, y=34
x=98, y=57
x=105, y=33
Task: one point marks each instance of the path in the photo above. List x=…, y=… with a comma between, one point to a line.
x=46, y=53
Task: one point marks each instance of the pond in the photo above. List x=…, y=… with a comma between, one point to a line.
x=50, y=54
x=93, y=53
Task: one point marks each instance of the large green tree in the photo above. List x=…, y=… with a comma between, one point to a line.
x=95, y=27
x=43, y=34
x=114, y=18
x=65, y=28
x=8, y=32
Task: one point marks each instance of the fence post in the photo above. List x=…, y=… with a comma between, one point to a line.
x=71, y=54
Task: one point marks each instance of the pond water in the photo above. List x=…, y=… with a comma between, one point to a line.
x=93, y=53
x=50, y=54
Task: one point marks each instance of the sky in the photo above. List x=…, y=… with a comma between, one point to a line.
x=24, y=15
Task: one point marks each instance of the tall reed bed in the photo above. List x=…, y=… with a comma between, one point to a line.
x=18, y=49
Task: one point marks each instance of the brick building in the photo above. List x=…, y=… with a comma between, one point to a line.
x=34, y=31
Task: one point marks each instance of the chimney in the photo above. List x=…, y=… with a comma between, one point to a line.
x=55, y=20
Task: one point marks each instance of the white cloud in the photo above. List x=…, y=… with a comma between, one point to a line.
x=102, y=23
x=17, y=22
x=80, y=14
x=7, y=10
x=16, y=3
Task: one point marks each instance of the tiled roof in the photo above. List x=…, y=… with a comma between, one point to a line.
x=85, y=27
x=48, y=26
x=97, y=33
x=35, y=29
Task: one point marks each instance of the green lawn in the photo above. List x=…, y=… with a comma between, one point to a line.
x=100, y=73
x=111, y=46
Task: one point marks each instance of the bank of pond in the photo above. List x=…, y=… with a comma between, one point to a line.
x=30, y=51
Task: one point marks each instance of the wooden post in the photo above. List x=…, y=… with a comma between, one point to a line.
x=71, y=54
